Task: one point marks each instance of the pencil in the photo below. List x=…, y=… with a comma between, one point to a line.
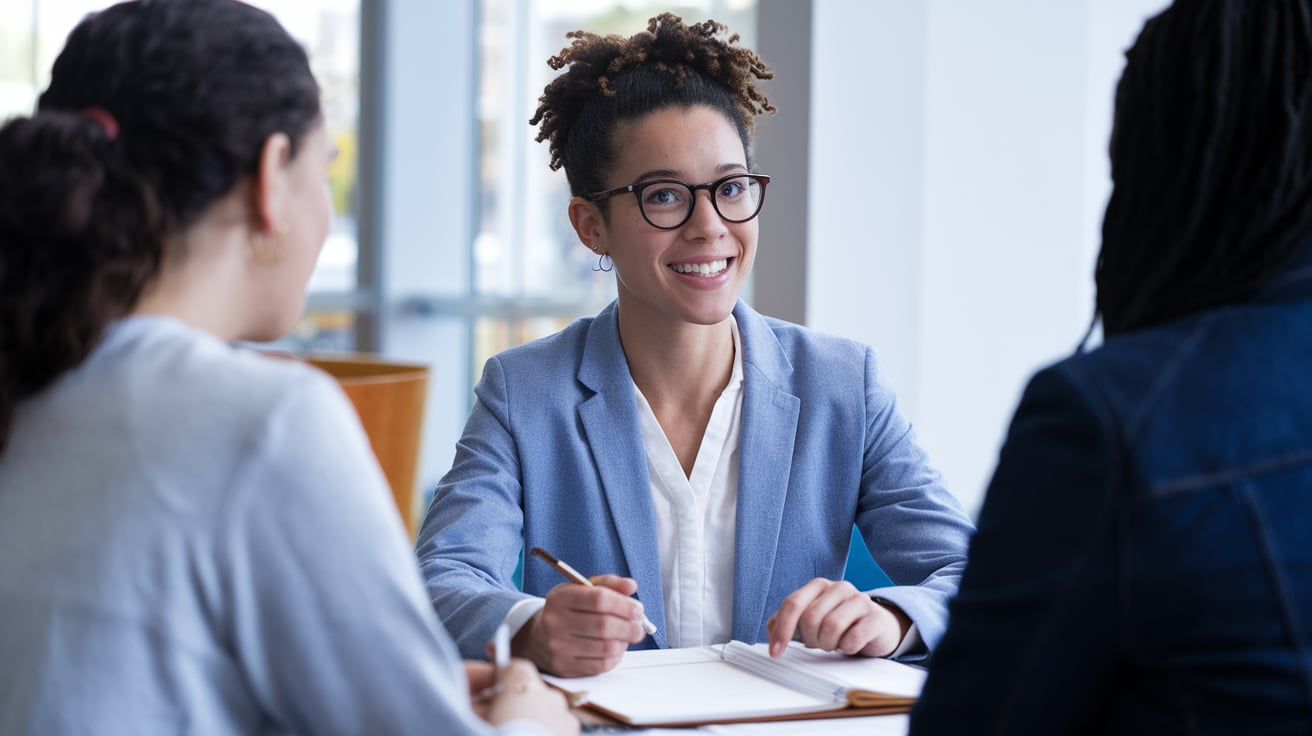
x=576, y=577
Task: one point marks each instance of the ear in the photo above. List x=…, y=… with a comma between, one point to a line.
x=271, y=184
x=589, y=224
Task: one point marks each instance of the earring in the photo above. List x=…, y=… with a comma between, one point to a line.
x=604, y=263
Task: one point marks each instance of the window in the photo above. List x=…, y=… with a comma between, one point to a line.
x=330, y=32
x=33, y=33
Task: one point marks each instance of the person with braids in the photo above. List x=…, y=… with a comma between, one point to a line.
x=680, y=446
x=165, y=497
x=1143, y=562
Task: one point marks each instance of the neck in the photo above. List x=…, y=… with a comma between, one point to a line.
x=681, y=363
x=200, y=287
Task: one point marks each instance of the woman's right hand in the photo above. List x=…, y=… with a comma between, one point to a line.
x=583, y=630
x=524, y=696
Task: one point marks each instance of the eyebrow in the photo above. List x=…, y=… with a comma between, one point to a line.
x=672, y=174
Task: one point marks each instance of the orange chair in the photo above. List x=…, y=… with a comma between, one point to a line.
x=389, y=397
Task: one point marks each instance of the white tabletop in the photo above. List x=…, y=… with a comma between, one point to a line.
x=895, y=725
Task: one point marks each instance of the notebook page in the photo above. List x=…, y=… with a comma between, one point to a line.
x=827, y=671
x=671, y=686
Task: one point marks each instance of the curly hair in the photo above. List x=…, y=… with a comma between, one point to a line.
x=190, y=90
x=612, y=79
x=1211, y=160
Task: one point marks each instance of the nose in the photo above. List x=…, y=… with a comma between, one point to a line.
x=705, y=221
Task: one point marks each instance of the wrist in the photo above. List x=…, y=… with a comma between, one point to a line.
x=903, y=620
x=524, y=643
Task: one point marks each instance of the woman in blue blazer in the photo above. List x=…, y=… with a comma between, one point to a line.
x=1143, y=555
x=679, y=445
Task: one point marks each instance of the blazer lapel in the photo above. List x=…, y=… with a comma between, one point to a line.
x=610, y=424
x=769, y=426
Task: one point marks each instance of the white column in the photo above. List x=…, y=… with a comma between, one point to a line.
x=426, y=200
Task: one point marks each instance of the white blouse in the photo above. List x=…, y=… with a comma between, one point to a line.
x=695, y=516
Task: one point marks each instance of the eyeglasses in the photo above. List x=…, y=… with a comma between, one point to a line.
x=668, y=203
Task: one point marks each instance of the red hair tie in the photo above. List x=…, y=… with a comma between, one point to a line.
x=104, y=120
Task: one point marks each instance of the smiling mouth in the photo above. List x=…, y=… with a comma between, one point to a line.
x=710, y=268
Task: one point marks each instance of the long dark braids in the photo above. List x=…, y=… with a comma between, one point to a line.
x=1211, y=159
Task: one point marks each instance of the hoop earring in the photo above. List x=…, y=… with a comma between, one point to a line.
x=604, y=263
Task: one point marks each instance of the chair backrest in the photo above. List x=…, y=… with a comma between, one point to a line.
x=390, y=397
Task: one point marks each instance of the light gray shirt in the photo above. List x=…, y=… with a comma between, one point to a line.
x=196, y=539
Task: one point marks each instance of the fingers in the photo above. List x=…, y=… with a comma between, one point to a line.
x=890, y=628
x=584, y=630
x=481, y=675
x=598, y=612
x=850, y=625
x=622, y=585
x=518, y=677
x=481, y=707
x=786, y=620
x=523, y=695
x=834, y=615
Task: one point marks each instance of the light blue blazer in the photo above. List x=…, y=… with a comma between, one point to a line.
x=553, y=456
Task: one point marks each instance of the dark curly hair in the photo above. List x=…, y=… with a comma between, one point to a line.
x=156, y=109
x=1211, y=160
x=612, y=79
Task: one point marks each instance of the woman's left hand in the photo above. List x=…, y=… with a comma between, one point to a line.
x=834, y=615
x=481, y=677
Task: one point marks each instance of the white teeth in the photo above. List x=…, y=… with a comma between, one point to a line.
x=702, y=269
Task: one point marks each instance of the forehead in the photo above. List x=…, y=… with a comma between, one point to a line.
x=693, y=142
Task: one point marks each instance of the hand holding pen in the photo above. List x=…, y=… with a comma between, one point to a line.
x=585, y=627
x=506, y=690
x=577, y=577
x=499, y=654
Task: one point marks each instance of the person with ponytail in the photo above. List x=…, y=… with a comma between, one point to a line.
x=679, y=445
x=195, y=538
x=1142, y=564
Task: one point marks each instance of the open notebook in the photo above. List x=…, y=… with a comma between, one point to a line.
x=737, y=682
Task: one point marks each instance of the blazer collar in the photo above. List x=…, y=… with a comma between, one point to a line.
x=610, y=424
x=765, y=456
x=603, y=366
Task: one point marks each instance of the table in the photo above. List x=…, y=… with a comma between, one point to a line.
x=895, y=725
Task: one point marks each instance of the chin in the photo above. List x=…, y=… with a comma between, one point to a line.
x=714, y=314
x=708, y=319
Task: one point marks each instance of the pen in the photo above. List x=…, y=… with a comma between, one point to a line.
x=576, y=577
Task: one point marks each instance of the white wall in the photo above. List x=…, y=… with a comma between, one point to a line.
x=955, y=152
x=957, y=164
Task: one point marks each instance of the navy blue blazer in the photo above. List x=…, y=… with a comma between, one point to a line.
x=553, y=456
x=1144, y=556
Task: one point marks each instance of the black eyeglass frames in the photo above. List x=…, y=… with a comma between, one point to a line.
x=667, y=204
